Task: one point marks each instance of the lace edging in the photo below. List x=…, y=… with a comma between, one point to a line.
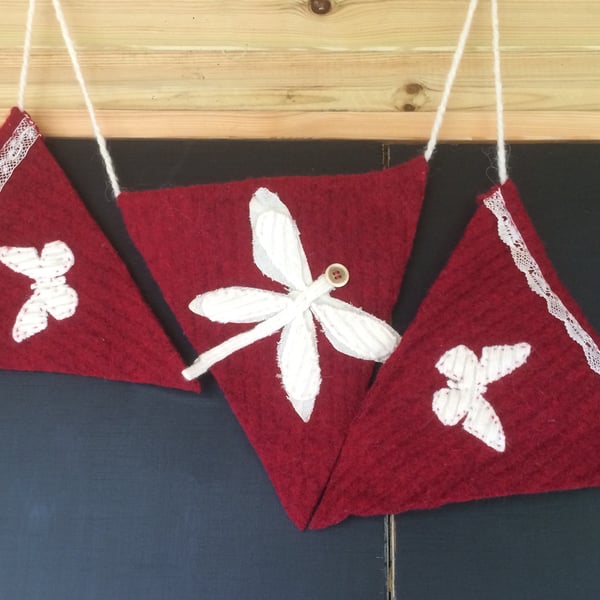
x=15, y=149
x=524, y=261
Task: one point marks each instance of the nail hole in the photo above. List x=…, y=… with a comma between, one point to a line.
x=409, y=108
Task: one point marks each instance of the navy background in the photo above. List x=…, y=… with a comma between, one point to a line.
x=118, y=491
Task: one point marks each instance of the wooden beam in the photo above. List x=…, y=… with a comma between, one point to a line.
x=386, y=127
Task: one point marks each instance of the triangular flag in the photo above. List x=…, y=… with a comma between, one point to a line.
x=494, y=390
x=68, y=302
x=266, y=246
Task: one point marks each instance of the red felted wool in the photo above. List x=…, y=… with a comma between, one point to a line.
x=198, y=239
x=488, y=394
x=68, y=303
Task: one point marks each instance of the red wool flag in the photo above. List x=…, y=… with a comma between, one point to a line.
x=68, y=302
x=493, y=391
x=285, y=285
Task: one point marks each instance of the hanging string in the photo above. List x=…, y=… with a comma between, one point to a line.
x=458, y=53
x=500, y=145
x=108, y=164
x=26, y=55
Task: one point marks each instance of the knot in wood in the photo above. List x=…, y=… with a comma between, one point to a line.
x=413, y=88
x=320, y=7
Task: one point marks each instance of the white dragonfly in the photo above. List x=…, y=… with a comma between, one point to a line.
x=279, y=254
x=51, y=294
x=467, y=383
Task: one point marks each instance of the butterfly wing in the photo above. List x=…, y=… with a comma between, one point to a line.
x=298, y=360
x=276, y=245
x=31, y=319
x=60, y=301
x=459, y=364
x=239, y=305
x=25, y=261
x=56, y=259
x=483, y=422
x=451, y=405
x=354, y=331
x=498, y=361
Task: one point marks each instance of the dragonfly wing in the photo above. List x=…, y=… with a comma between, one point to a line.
x=354, y=331
x=451, y=405
x=498, y=361
x=298, y=360
x=483, y=422
x=60, y=301
x=239, y=305
x=31, y=319
x=276, y=245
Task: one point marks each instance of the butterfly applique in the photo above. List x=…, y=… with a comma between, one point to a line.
x=279, y=254
x=468, y=379
x=51, y=294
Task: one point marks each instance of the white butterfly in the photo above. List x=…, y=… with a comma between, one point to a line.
x=279, y=254
x=51, y=294
x=467, y=383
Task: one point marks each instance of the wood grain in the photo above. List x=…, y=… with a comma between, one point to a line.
x=370, y=69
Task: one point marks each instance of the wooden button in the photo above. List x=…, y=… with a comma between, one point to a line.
x=337, y=275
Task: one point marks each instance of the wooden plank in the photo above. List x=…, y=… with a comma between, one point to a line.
x=407, y=127
x=272, y=57
x=355, y=81
x=283, y=24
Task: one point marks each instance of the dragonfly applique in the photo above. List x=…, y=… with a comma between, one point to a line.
x=278, y=253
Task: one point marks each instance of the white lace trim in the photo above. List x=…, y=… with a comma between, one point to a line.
x=511, y=236
x=16, y=148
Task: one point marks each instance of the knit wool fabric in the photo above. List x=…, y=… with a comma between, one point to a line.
x=197, y=239
x=68, y=303
x=481, y=333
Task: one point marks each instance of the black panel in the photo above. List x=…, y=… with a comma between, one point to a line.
x=111, y=490
x=543, y=547
x=126, y=492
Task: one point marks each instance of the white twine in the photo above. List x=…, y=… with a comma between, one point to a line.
x=458, y=54
x=500, y=145
x=26, y=55
x=108, y=163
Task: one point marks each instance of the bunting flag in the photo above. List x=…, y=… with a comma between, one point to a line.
x=285, y=286
x=68, y=303
x=494, y=390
